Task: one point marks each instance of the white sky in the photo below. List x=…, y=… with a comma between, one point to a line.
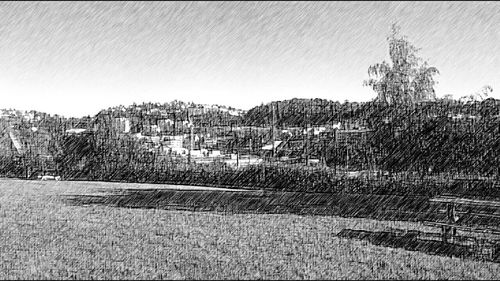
x=77, y=58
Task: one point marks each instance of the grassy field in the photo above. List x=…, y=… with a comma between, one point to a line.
x=43, y=237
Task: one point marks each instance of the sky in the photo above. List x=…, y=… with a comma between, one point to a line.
x=76, y=58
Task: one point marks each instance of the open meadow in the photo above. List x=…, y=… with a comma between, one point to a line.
x=45, y=236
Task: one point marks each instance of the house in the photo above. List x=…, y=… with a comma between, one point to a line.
x=173, y=141
x=121, y=125
x=75, y=131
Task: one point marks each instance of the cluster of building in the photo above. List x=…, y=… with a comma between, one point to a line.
x=234, y=145
x=201, y=134
x=165, y=133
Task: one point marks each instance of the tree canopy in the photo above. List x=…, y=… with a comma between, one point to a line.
x=408, y=79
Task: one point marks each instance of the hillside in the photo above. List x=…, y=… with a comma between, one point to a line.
x=300, y=112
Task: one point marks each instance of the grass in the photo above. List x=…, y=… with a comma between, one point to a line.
x=44, y=238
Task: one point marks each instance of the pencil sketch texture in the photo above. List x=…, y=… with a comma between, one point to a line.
x=249, y=140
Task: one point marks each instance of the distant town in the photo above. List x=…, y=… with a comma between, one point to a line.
x=196, y=133
x=342, y=137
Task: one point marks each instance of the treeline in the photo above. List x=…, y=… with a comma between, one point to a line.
x=441, y=136
x=438, y=137
x=270, y=177
x=301, y=112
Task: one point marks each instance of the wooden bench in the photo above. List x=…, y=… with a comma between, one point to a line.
x=453, y=217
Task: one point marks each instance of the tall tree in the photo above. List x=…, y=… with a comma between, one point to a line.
x=408, y=79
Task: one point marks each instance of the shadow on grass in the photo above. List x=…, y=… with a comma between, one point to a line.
x=411, y=241
x=381, y=207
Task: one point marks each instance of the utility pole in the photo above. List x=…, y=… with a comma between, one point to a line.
x=237, y=149
x=335, y=150
x=174, y=131
x=306, y=123
x=347, y=159
x=191, y=141
x=273, y=131
x=192, y=135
